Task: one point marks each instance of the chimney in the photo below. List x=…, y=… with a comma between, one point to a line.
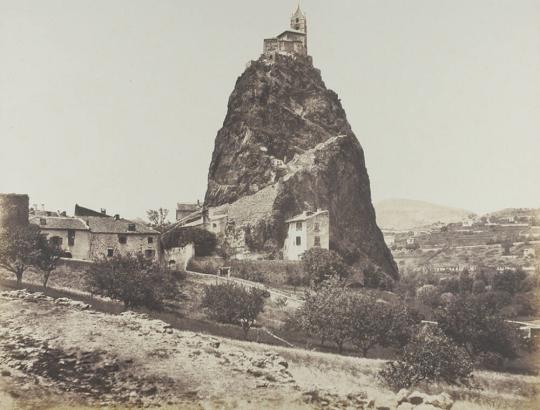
x=198, y=203
x=103, y=211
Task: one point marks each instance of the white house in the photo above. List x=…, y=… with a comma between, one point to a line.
x=305, y=231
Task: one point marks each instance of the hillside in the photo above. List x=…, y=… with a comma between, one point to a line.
x=71, y=356
x=402, y=214
x=286, y=147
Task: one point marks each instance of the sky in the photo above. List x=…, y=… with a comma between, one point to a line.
x=116, y=103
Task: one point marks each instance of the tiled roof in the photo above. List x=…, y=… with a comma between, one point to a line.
x=99, y=224
x=59, y=222
x=305, y=215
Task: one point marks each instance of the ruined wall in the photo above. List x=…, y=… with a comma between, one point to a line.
x=13, y=210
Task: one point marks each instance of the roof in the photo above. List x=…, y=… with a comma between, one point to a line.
x=306, y=215
x=187, y=207
x=82, y=211
x=105, y=224
x=59, y=222
x=298, y=12
x=290, y=30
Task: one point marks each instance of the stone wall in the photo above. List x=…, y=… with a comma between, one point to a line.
x=178, y=258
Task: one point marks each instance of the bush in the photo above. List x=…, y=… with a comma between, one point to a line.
x=508, y=281
x=135, y=280
x=204, y=241
x=321, y=264
x=234, y=304
x=375, y=278
x=428, y=295
x=429, y=357
x=208, y=265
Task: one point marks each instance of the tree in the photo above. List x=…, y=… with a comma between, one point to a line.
x=133, y=279
x=47, y=258
x=232, y=303
x=508, y=281
x=474, y=322
x=19, y=249
x=321, y=264
x=327, y=313
x=158, y=218
x=429, y=357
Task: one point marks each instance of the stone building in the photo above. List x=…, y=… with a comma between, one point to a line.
x=306, y=231
x=112, y=236
x=70, y=233
x=291, y=41
x=13, y=210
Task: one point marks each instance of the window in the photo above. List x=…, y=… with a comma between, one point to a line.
x=122, y=239
x=298, y=226
x=298, y=241
x=214, y=225
x=297, y=19
x=42, y=221
x=110, y=252
x=317, y=227
x=317, y=241
x=71, y=237
x=131, y=227
x=150, y=239
x=149, y=253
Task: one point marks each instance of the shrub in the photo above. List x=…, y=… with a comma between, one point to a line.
x=207, y=265
x=428, y=295
x=429, y=357
x=234, y=304
x=375, y=278
x=204, y=241
x=321, y=264
x=135, y=280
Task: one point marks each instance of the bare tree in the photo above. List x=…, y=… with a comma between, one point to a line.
x=158, y=218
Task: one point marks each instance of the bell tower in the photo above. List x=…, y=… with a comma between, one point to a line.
x=299, y=23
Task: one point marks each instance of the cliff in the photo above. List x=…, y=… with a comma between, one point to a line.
x=286, y=145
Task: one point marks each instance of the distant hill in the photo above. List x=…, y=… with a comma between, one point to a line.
x=516, y=212
x=407, y=214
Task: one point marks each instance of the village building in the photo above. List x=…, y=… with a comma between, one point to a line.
x=92, y=235
x=112, y=236
x=71, y=234
x=306, y=231
x=185, y=209
x=289, y=42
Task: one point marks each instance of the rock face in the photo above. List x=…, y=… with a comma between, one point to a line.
x=286, y=139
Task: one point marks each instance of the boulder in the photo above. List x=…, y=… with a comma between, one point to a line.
x=442, y=401
x=416, y=398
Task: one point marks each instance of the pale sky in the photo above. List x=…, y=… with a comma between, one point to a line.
x=116, y=103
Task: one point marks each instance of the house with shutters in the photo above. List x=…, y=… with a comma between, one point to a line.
x=306, y=231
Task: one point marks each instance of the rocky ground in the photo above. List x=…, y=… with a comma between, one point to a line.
x=59, y=352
